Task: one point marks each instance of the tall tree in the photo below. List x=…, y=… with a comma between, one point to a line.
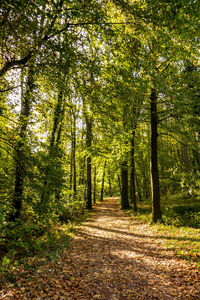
x=20, y=156
x=156, y=210
x=102, y=181
x=89, y=163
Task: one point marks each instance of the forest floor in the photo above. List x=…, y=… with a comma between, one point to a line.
x=112, y=256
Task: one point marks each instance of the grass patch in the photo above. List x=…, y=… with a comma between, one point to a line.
x=184, y=240
x=181, y=228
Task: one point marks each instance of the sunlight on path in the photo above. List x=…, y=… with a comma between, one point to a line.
x=119, y=259
x=115, y=257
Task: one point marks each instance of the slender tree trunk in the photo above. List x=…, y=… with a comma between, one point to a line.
x=119, y=182
x=82, y=166
x=138, y=188
x=74, y=153
x=110, y=187
x=133, y=194
x=109, y=183
x=94, y=188
x=146, y=190
x=53, y=152
x=58, y=190
x=102, y=183
x=57, y=119
x=71, y=168
x=124, y=193
x=196, y=161
x=20, y=160
x=156, y=210
x=124, y=168
x=89, y=165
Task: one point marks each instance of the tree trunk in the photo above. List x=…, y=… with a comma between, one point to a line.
x=124, y=167
x=74, y=153
x=196, y=161
x=71, y=168
x=102, y=183
x=94, y=189
x=146, y=185
x=156, y=210
x=119, y=182
x=124, y=193
x=49, y=185
x=138, y=188
x=20, y=160
x=109, y=183
x=133, y=194
x=82, y=165
x=89, y=166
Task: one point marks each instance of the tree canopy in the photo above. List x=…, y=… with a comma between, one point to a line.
x=92, y=94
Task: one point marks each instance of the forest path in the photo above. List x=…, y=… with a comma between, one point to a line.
x=114, y=257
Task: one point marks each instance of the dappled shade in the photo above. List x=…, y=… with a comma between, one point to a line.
x=113, y=256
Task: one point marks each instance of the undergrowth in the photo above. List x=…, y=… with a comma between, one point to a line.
x=21, y=243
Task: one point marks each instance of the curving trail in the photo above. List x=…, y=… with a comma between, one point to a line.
x=113, y=257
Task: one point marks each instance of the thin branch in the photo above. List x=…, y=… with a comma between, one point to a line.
x=166, y=177
x=18, y=62
x=9, y=89
x=85, y=24
x=163, y=133
x=8, y=119
x=7, y=143
x=165, y=68
x=107, y=23
x=7, y=151
x=172, y=115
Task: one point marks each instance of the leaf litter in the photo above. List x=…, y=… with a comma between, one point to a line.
x=112, y=256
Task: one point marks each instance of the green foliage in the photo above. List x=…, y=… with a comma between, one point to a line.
x=191, y=182
x=179, y=216
x=22, y=241
x=23, y=238
x=104, y=71
x=180, y=210
x=72, y=211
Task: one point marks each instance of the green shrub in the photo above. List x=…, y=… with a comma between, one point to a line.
x=72, y=211
x=182, y=216
x=23, y=237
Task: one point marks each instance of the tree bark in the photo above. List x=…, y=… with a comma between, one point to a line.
x=146, y=184
x=89, y=165
x=138, y=188
x=124, y=192
x=20, y=160
x=119, y=182
x=71, y=164
x=156, y=210
x=133, y=194
x=82, y=165
x=102, y=183
x=109, y=182
x=124, y=167
x=94, y=187
x=48, y=187
x=74, y=153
